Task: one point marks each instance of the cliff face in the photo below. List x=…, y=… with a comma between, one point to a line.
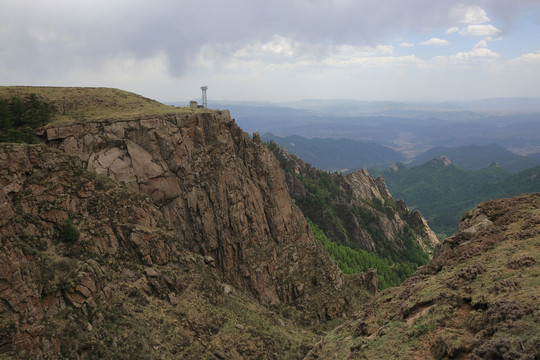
x=361, y=187
x=42, y=276
x=222, y=192
x=365, y=212
x=124, y=285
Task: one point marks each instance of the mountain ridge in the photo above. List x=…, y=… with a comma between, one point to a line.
x=475, y=157
x=443, y=193
x=171, y=234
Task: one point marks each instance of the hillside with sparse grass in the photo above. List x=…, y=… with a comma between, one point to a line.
x=478, y=298
x=70, y=104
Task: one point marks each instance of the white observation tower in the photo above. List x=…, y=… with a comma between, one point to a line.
x=204, y=102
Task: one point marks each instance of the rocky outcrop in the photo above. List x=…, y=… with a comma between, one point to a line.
x=125, y=286
x=40, y=276
x=165, y=234
x=443, y=160
x=362, y=187
x=367, y=215
x=221, y=191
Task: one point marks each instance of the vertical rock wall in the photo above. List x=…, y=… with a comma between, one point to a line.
x=222, y=192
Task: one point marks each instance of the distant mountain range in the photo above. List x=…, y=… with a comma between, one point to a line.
x=337, y=155
x=411, y=128
x=346, y=154
x=475, y=157
x=443, y=191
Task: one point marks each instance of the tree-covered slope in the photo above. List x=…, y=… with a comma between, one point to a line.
x=20, y=116
x=357, y=220
x=476, y=157
x=442, y=191
x=337, y=154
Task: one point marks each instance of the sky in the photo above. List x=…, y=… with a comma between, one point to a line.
x=276, y=50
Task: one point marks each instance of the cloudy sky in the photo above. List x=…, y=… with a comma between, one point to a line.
x=276, y=50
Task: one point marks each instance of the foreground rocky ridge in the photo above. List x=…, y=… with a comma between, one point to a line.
x=126, y=286
x=476, y=299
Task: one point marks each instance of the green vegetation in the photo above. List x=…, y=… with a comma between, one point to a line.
x=336, y=220
x=352, y=260
x=20, y=116
x=68, y=232
x=444, y=193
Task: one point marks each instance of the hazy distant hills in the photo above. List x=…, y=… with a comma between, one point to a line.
x=475, y=157
x=346, y=154
x=337, y=155
x=443, y=191
x=410, y=128
x=535, y=156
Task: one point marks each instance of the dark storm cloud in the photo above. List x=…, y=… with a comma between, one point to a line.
x=57, y=35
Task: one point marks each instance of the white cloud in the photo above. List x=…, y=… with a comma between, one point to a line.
x=287, y=50
x=479, y=30
x=435, y=41
x=288, y=55
x=468, y=15
x=478, y=55
x=453, y=29
x=406, y=44
x=526, y=59
x=481, y=44
x=46, y=35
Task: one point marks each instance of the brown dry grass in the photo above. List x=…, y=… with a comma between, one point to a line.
x=93, y=103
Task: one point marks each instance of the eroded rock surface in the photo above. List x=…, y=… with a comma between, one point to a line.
x=110, y=288
x=222, y=192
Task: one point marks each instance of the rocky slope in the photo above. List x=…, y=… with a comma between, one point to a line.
x=476, y=299
x=221, y=191
x=123, y=285
x=356, y=209
x=137, y=225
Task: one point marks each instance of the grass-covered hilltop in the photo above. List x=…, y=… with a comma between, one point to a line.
x=67, y=104
x=134, y=230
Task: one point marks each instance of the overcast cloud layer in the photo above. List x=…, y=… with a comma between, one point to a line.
x=276, y=50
